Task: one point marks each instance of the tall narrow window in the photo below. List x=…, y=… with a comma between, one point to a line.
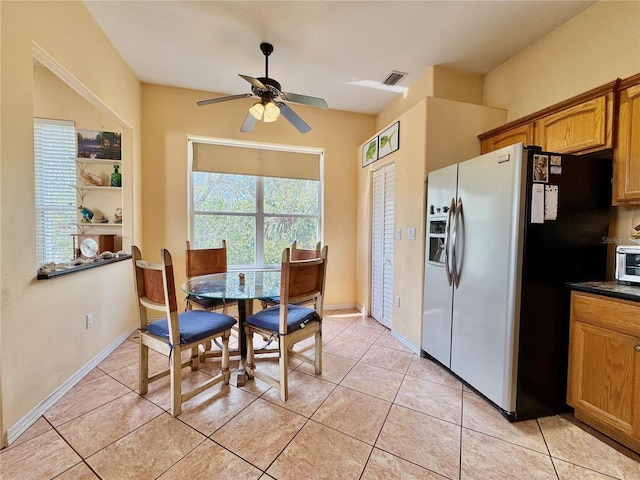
x=55, y=175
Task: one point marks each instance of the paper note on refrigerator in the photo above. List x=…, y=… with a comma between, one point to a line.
x=550, y=202
x=537, y=203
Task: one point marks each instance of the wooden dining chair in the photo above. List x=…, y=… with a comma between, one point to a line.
x=296, y=254
x=177, y=332
x=289, y=322
x=205, y=261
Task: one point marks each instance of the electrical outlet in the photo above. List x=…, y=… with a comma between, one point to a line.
x=398, y=234
x=89, y=320
x=411, y=233
x=397, y=300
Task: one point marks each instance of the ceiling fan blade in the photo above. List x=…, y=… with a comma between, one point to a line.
x=305, y=99
x=254, y=82
x=222, y=99
x=248, y=123
x=293, y=117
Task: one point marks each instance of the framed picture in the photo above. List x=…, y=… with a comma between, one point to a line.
x=389, y=140
x=97, y=144
x=370, y=151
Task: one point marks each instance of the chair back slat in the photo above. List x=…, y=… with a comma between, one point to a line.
x=155, y=288
x=305, y=279
x=304, y=254
x=206, y=261
x=301, y=281
x=153, y=285
x=170, y=284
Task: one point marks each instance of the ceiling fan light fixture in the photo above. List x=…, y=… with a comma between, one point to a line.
x=272, y=99
x=271, y=112
x=257, y=110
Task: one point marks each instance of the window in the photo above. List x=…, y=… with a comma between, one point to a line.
x=258, y=215
x=55, y=176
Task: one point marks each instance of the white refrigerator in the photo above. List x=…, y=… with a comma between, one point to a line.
x=493, y=310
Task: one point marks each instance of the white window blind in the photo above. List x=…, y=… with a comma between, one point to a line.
x=252, y=160
x=55, y=177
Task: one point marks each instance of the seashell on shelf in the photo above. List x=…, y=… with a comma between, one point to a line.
x=90, y=179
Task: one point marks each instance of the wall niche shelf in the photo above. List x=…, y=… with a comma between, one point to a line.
x=97, y=161
x=103, y=199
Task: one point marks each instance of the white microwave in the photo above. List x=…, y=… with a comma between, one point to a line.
x=628, y=263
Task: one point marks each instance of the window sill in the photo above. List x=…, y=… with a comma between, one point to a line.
x=84, y=266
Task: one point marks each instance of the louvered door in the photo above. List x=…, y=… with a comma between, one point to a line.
x=382, y=239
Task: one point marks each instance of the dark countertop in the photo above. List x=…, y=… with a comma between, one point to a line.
x=84, y=266
x=608, y=289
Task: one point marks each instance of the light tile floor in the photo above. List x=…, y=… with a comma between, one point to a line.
x=377, y=412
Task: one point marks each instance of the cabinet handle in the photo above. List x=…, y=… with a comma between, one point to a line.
x=637, y=348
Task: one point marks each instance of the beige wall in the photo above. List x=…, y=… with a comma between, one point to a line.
x=170, y=115
x=458, y=85
x=594, y=48
x=43, y=340
x=434, y=132
x=421, y=88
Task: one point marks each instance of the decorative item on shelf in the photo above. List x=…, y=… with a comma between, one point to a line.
x=117, y=218
x=99, y=144
x=89, y=179
x=87, y=214
x=93, y=245
x=116, y=177
x=104, y=219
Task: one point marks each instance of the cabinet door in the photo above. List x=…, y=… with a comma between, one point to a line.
x=604, y=376
x=583, y=128
x=523, y=133
x=627, y=154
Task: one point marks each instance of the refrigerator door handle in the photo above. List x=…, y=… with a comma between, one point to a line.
x=447, y=236
x=454, y=242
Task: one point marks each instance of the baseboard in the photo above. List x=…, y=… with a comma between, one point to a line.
x=406, y=342
x=30, y=418
x=339, y=306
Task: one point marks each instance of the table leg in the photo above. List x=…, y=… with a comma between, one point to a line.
x=245, y=308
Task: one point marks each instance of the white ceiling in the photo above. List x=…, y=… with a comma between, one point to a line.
x=321, y=47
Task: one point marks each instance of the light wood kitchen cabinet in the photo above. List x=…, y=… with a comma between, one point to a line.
x=604, y=365
x=626, y=165
x=583, y=128
x=579, y=125
x=522, y=133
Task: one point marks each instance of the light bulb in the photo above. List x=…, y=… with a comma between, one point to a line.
x=271, y=112
x=257, y=110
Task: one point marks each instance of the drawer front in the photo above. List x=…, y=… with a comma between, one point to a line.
x=620, y=315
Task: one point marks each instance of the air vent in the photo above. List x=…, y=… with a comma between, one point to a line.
x=393, y=78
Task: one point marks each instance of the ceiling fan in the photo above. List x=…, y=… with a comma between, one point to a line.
x=271, y=95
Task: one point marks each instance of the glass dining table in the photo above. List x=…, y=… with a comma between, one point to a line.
x=242, y=287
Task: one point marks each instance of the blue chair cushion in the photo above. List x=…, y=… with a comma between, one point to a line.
x=269, y=318
x=206, y=302
x=194, y=325
x=271, y=300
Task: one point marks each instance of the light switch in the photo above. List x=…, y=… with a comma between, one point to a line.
x=398, y=234
x=411, y=233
